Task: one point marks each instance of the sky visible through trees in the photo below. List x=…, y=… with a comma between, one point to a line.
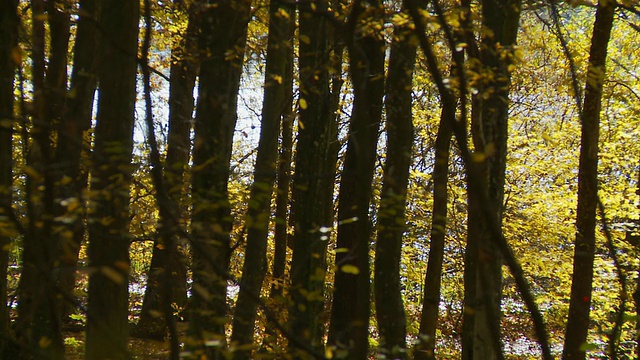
x=319, y=179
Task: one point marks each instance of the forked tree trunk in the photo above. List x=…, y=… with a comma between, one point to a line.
x=585, y=243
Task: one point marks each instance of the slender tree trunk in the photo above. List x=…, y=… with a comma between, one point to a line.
x=431, y=303
x=636, y=299
x=258, y=214
x=55, y=99
x=184, y=66
x=313, y=181
x=72, y=147
x=223, y=38
x=282, y=217
x=501, y=19
x=39, y=311
x=8, y=63
x=33, y=252
x=633, y=237
x=582, y=281
x=391, y=219
x=107, y=325
x=349, y=326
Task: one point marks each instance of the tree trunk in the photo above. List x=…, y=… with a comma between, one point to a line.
x=258, y=214
x=391, y=219
x=184, y=66
x=223, y=38
x=107, y=326
x=72, y=147
x=636, y=299
x=39, y=311
x=349, y=326
x=633, y=237
x=501, y=19
x=582, y=281
x=313, y=180
x=425, y=349
x=282, y=214
x=8, y=63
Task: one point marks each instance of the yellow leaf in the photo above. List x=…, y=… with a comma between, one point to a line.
x=16, y=55
x=305, y=39
x=66, y=180
x=112, y=274
x=283, y=13
x=350, y=269
x=73, y=205
x=348, y=221
x=328, y=352
x=44, y=342
x=478, y=157
x=33, y=173
x=106, y=221
x=7, y=229
x=303, y=104
x=202, y=291
x=6, y=123
x=121, y=265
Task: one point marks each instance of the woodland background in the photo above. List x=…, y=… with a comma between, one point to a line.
x=320, y=179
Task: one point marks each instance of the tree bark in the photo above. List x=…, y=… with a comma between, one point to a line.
x=107, y=314
x=636, y=300
x=391, y=215
x=313, y=180
x=223, y=38
x=349, y=326
x=501, y=21
x=633, y=237
x=584, y=252
x=39, y=311
x=282, y=215
x=258, y=214
x=72, y=147
x=425, y=349
x=8, y=64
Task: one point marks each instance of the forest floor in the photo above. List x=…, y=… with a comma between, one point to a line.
x=142, y=349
